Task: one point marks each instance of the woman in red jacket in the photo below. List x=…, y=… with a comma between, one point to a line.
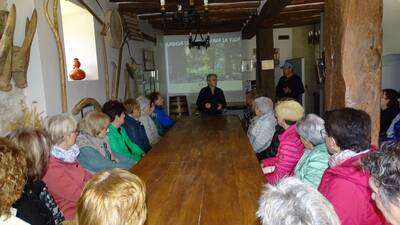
x=290, y=147
x=65, y=178
x=345, y=183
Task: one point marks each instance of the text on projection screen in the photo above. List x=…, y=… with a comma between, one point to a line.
x=187, y=68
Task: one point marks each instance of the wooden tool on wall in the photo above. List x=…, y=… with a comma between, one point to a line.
x=118, y=73
x=53, y=22
x=14, y=60
x=6, y=44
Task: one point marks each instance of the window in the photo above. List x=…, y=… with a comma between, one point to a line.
x=79, y=39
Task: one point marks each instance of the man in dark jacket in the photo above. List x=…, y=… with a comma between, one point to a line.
x=290, y=84
x=211, y=99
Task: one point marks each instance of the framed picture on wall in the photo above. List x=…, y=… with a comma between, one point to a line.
x=247, y=65
x=148, y=60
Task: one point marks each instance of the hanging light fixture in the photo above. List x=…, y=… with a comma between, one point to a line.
x=205, y=2
x=162, y=3
x=189, y=18
x=203, y=42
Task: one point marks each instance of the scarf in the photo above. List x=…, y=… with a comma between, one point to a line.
x=150, y=128
x=100, y=145
x=342, y=156
x=68, y=155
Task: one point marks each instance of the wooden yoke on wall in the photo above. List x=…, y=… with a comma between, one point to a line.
x=353, y=37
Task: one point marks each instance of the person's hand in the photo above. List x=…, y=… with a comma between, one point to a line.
x=208, y=106
x=287, y=90
x=219, y=106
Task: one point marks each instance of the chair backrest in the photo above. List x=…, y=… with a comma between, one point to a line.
x=178, y=106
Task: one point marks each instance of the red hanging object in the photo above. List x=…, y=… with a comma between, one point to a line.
x=77, y=73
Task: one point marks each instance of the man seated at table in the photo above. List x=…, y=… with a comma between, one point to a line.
x=211, y=99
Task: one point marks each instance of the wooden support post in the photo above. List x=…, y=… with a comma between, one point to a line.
x=265, y=51
x=353, y=39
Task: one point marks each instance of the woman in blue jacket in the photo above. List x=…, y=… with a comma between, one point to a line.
x=162, y=118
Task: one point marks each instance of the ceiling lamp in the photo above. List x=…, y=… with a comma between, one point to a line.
x=187, y=15
x=203, y=42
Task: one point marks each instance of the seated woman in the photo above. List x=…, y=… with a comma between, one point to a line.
x=248, y=113
x=134, y=127
x=290, y=147
x=383, y=167
x=116, y=197
x=95, y=152
x=393, y=133
x=344, y=183
x=262, y=127
x=36, y=205
x=64, y=177
x=162, y=118
x=294, y=202
x=12, y=180
x=120, y=143
x=389, y=109
x=147, y=122
x=315, y=159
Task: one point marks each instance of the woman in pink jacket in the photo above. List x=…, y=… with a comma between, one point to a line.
x=345, y=183
x=290, y=147
x=64, y=178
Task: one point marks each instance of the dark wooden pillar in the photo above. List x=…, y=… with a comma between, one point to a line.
x=265, y=51
x=353, y=42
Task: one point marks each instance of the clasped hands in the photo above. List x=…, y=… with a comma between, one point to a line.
x=208, y=106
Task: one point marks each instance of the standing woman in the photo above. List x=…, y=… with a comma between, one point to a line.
x=65, y=178
x=36, y=205
x=389, y=109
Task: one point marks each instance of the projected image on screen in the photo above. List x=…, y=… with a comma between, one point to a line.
x=187, y=68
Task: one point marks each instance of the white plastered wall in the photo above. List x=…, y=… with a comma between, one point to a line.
x=43, y=71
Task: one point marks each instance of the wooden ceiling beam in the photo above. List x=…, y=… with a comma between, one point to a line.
x=197, y=2
x=209, y=19
x=287, y=22
x=271, y=8
x=298, y=2
x=148, y=7
x=209, y=30
x=202, y=25
x=220, y=13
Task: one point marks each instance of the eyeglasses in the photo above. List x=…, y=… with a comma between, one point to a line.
x=323, y=133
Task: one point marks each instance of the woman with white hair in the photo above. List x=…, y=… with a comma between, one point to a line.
x=145, y=119
x=65, y=178
x=262, y=127
x=314, y=161
x=294, y=202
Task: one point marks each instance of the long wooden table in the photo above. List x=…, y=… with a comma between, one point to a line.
x=203, y=172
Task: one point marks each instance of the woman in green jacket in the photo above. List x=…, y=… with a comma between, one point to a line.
x=119, y=140
x=314, y=161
